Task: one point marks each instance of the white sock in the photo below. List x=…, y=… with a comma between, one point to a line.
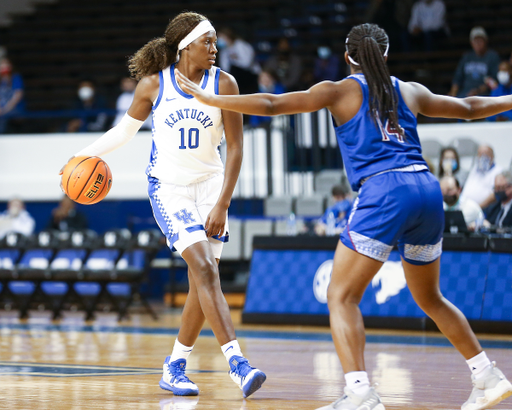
x=180, y=351
x=358, y=382
x=231, y=349
x=479, y=364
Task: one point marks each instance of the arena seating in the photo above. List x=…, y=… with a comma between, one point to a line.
x=81, y=270
x=70, y=40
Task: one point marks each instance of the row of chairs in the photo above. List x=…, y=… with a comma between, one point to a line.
x=81, y=270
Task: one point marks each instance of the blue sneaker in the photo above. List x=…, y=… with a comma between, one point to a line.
x=246, y=377
x=174, y=378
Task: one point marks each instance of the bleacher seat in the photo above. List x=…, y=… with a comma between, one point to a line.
x=232, y=249
x=278, y=206
x=253, y=227
x=310, y=206
x=326, y=179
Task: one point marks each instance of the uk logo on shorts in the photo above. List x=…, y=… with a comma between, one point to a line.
x=184, y=216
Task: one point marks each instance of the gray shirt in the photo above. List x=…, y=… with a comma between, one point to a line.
x=473, y=69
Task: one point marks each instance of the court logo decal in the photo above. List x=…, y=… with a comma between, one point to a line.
x=392, y=280
x=322, y=280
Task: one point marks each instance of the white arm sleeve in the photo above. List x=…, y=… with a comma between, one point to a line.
x=113, y=138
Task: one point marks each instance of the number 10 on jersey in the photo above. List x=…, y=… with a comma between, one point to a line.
x=193, y=138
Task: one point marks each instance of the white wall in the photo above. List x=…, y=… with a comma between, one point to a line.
x=29, y=164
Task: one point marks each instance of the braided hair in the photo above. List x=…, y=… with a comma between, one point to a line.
x=367, y=45
x=161, y=52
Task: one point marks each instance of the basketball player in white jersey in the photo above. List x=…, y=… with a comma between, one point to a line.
x=189, y=189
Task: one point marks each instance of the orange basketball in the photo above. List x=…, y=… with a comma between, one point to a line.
x=86, y=180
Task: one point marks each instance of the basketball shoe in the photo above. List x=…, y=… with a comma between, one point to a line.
x=352, y=401
x=246, y=377
x=174, y=378
x=489, y=390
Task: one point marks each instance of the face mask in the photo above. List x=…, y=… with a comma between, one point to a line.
x=449, y=164
x=14, y=210
x=484, y=164
x=5, y=71
x=450, y=200
x=503, y=77
x=500, y=195
x=221, y=43
x=85, y=93
x=324, y=52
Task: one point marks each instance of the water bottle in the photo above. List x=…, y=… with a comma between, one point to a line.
x=479, y=223
x=330, y=230
x=291, y=225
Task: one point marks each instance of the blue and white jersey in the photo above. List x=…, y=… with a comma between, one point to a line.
x=186, y=133
x=368, y=149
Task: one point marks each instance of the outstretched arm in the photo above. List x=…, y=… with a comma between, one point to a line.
x=317, y=97
x=423, y=101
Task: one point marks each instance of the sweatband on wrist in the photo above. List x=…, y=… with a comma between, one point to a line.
x=113, y=138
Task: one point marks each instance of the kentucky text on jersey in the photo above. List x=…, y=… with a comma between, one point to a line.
x=186, y=113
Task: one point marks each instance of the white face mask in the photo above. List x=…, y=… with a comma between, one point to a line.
x=85, y=93
x=503, y=77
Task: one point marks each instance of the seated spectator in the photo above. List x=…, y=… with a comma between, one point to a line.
x=480, y=182
x=286, y=65
x=124, y=101
x=498, y=213
x=66, y=218
x=327, y=65
x=451, y=190
x=16, y=219
x=449, y=165
x=475, y=66
x=428, y=21
x=11, y=93
x=340, y=210
x=237, y=57
x=502, y=87
x=89, y=103
x=267, y=83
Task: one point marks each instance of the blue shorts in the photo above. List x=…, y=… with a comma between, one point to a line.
x=404, y=208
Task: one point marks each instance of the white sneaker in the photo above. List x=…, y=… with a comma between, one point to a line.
x=352, y=401
x=174, y=378
x=489, y=390
x=248, y=378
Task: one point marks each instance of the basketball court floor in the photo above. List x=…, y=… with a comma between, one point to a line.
x=72, y=364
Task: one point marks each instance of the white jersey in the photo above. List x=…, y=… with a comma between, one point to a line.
x=186, y=133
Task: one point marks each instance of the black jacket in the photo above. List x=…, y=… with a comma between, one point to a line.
x=492, y=212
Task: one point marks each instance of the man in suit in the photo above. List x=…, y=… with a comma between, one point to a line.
x=499, y=213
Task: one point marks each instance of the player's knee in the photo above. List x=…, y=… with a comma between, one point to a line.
x=337, y=295
x=205, y=272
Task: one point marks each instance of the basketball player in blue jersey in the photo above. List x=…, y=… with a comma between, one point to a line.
x=399, y=203
x=189, y=189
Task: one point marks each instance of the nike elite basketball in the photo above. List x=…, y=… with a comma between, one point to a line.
x=86, y=180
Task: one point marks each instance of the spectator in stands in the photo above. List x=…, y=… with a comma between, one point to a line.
x=475, y=66
x=451, y=190
x=502, y=87
x=480, y=182
x=498, y=213
x=66, y=217
x=327, y=65
x=267, y=83
x=340, y=210
x=286, y=65
x=428, y=21
x=11, y=93
x=403, y=9
x=237, y=57
x=125, y=99
x=92, y=106
x=449, y=165
x=16, y=219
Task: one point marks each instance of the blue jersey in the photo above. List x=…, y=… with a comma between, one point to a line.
x=368, y=149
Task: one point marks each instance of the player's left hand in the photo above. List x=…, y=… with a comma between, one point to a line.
x=215, y=221
x=191, y=88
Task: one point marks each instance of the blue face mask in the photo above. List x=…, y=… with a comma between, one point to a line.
x=500, y=195
x=450, y=163
x=221, y=43
x=324, y=52
x=484, y=164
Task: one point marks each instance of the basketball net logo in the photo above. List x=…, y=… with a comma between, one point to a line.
x=97, y=185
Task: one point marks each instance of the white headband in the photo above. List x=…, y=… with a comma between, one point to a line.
x=352, y=60
x=203, y=27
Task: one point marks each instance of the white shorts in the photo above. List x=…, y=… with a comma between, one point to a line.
x=181, y=212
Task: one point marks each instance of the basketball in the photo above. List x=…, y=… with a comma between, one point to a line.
x=86, y=180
